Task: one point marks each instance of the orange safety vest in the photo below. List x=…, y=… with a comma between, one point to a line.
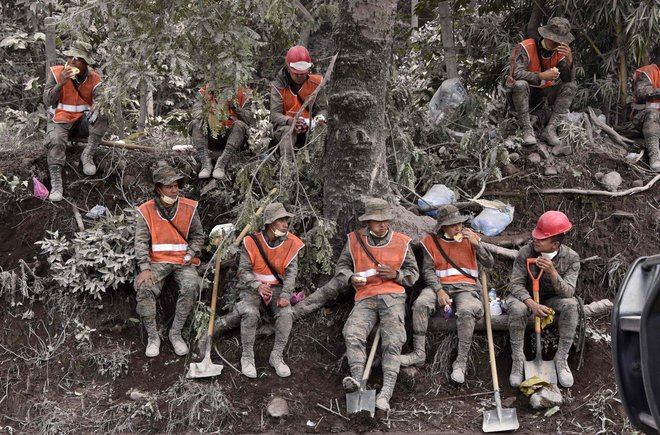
x=240, y=99
x=167, y=245
x=291, y=103
x=280, y=256
x=537, y=63
x=462, y=253
x=653, y=73
x=73, y=103
x=391, y=254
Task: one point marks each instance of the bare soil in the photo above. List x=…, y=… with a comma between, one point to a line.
x=50, y=383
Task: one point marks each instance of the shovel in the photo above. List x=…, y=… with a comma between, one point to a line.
x=364, y=400
x=545, y=370
x=206, y=368
x=500, y=419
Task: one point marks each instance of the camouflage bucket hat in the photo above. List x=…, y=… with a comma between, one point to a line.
x=82, y=50
x=558, y=29
x=275, y=211
x=166, y=175
x=449, y=215
x=376, y=209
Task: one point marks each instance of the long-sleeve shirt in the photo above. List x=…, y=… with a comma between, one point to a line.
x=521, y=65
x=53, y=89
x=484, y=257
x=277, y=117
x=567, y=264
x=143, y=237
x=407, y=275
x=246, y=277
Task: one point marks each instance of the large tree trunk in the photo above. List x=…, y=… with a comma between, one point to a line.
x=355, y=160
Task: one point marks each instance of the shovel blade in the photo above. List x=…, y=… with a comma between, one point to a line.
x=361, y=400
x=504, y=421
x=204, y=369
x=545, y=370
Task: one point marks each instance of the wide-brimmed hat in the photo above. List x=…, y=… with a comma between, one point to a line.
x=82, y=50
x=449, y=215
x=275, y=211
x=376, y=209
x=558, y=29
x=165, y=175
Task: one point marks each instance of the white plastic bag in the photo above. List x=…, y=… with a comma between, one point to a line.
x=449, y=96
x=437, y=195
x=494, y=218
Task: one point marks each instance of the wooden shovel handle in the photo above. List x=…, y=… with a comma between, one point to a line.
x=536, y=288
x=372, y=353
x=216, y=275
x=489, y=332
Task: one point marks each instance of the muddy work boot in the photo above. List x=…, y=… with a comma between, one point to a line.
x=279, y=365
x=550, y=132
x=525, y=123
x=516, y=376
x=458, y=372
x=153, y=347
x=56, y=190
x=385, y=394
x=205, y=172
x=247, y=367
x=564, y=375
x=418, y=356
x=654, y=153
x=180, y=346
x=87, y=159
x=219, y=170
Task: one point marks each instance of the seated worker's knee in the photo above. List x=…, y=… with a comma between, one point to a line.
x=354, y=335
x=284, y=312
x=248, y=312
x=425, y=301
x=240, y=125
x=520, y=86
x=569, y=88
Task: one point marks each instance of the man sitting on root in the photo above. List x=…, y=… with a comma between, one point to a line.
x=230, y=133
x=267, y=276
x=646, y=115
x=542, y=69
x=561, y=266
x=450, y=271
x=72, y=90
x=380, y=294
x=168, y=240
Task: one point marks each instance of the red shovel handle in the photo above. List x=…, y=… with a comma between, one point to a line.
x=535, y=290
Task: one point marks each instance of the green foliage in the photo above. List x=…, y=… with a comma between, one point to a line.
x=111, y=361
x=316, y=259
x=94, y=260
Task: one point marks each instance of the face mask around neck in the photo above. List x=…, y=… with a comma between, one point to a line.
x=376, y=235
x=279, y=233
x=167, y=200
x=549, y=255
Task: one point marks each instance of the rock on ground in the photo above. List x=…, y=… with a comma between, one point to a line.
x=278, y=407
x=611, y=181
x=546, y=397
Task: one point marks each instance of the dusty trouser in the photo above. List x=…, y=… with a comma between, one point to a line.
x=297, y=140
x=648, y=121
x=469, y=308
x=231, y=141
x=389, y=309
x=188, y=282
x=57, y=136
x=249, y=309
x=559, y=97
x=519, y=316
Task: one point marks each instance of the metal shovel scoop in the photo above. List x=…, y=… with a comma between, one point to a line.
x=206, y=368
x=545, y=370
x=500, y=419
x=364, y=400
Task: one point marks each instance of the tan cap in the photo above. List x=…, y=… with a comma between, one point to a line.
x=449, y=215
x=558, y=29
x=376, y=209
x=165, y=175
x=275, y=211
x=82, y=50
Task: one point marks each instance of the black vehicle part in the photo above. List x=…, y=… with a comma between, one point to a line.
x=635, y=348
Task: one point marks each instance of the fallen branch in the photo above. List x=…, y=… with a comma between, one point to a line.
x=499, y=250
x=78, y=217
x=616, y=137
x=630, y=191
x=215, y=347
x=333, y=412
x=118, y=144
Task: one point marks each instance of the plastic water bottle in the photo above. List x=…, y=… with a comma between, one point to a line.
x=492, y=294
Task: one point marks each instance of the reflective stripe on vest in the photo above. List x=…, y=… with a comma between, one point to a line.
x=392, y=254
x=167, y=245
x=462, y=253
x=279, y=256
x=291, y=103
x=536, y=64
x=72, y=102
x=652, y=73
